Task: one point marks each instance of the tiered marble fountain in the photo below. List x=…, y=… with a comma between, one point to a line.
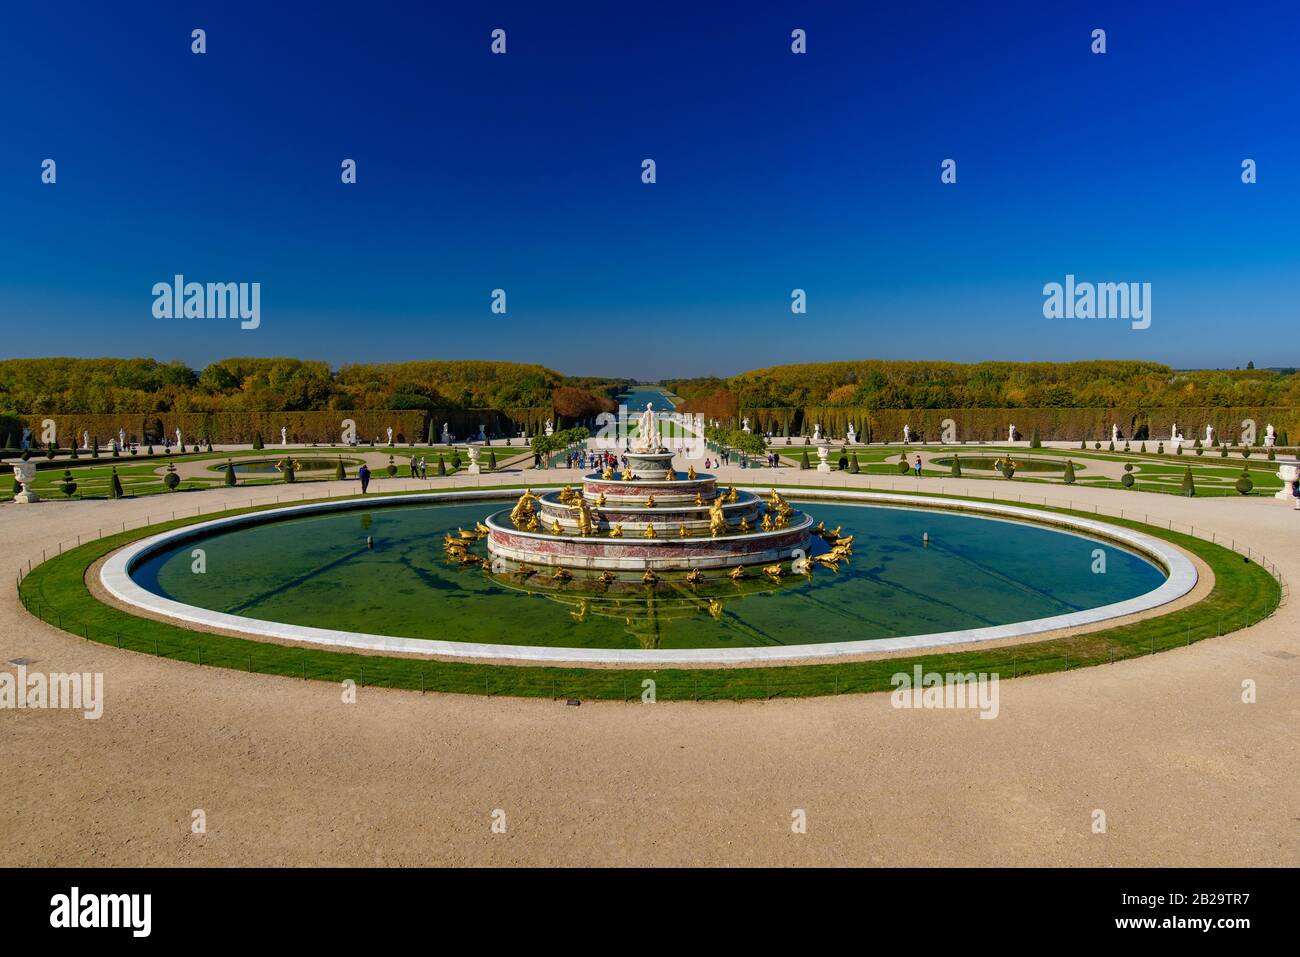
x=646, y=520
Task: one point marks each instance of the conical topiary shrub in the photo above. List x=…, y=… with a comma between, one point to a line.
x=230, y=473
x=115, y=486
x=257, y=441
x=392, y=467
x=956, y=467
x=442, y=466
x=1083, y=443
x=854, y=466
x=340, y=473
x=1069, y=473
x=68, y=487
x=1223, y=451
x=171, y=479
x=1189, y=485
x=1244, y=483
x=492, y=461
x=1035, y=441
x=803, y=460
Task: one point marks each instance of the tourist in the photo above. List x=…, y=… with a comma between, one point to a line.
x=917, y=467
x=363, y=473
x=537, y=460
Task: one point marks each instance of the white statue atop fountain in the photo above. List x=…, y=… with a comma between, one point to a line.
x=648, y=429
x=1270, y=436
x=1011, y=433
x=744, y=424
x=1209, y=435
x=853, y=435
x=907, y=434
x=550, y=428
x=1114, y=433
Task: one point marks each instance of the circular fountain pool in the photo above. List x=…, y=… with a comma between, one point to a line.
x=307, y=573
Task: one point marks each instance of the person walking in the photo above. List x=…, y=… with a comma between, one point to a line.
x=363, y=473
x=917, y=467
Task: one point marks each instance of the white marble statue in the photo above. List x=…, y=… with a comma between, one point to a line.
x=178, y=439
x=1209, y=435
x=647, y=430
x=853, y=435
x=446, y=435
x=1011, y=433
x=744, y=424
x=85, y=440
x=1175, y=437
x=550, y=427
x=817, y=431
x=1270, y=436
x=1114, y=433
x=390, y=435
x=284, y=435
x=121, y=439
x=907, y=434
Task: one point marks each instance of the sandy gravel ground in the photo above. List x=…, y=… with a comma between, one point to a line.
x=288, y=774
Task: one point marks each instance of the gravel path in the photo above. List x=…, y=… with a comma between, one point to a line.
x=288, y=774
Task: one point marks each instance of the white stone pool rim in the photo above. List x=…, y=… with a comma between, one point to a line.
x=115, y=576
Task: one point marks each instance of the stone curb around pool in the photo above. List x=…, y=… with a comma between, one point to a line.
x=116, y=579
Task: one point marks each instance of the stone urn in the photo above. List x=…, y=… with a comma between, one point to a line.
x=1288, y=470
x=473, y=468
x=25, y=473
x=823, y=455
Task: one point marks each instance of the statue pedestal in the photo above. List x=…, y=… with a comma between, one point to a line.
x=473, y=469
x=26, y=498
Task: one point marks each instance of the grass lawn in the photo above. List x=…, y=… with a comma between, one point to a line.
x=55, y=591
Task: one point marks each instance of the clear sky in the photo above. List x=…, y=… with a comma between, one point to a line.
x=775, y=171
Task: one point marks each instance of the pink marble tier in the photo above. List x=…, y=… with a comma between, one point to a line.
x=633, y=553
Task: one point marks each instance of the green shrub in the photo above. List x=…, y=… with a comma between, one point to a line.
x=115, y=486
x=1035, y=440
x=1083, y=443
x=1245, y=451
x=1127, y=480
x=68, y=487
x=903, y=467
x=1110, y=446
x=51, y=451
x=1223, y=451
x=1189, y=485
x=492, y=460
x=1244, y=483
x=955, y=469
x=803, y=460
x=94, y=448
x=455, y=458
x=1069, y=472
x=171, y=479
x=340, y=473
x=1128, y=466
x=1271, y=456
x=230, y=474
x=843, y=462
x=1143, y=449
x=392, y=467
x=854, y=466
x=442, y=466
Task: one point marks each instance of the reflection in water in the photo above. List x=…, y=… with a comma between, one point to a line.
x=645, y=608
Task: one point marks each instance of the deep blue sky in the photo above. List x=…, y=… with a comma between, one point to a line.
x=775, y=171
